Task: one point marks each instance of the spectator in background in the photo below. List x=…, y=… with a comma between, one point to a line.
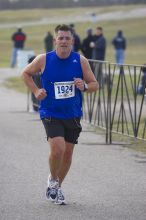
x=18, y=38
x=37, y=80
x=99, y=46
x=98, y=53
x=94, y=17
x=48, y=41
x=141, y=88
x=77, y=41
x=86, y=48
x=119, y=43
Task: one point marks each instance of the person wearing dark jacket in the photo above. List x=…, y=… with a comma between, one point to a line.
x=98, y=53
x=86, y=48
x=99, y=46
x=37, y=80
x=18, y=38
x=77, y=41
x=48, y=42
x=119, y=43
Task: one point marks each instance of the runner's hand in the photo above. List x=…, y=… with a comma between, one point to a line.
x=79, y=83
x=40, y=94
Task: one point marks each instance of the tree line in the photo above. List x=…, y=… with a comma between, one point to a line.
x=29, y=4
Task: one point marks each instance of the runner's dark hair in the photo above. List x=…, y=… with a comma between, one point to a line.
x=63, y=27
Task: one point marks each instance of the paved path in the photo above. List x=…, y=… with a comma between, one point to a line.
x=85, y=17
x=104, y=183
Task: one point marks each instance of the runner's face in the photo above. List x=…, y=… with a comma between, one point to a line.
x=64, y=41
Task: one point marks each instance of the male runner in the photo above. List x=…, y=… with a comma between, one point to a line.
x=65, y=75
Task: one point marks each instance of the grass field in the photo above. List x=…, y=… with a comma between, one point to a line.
x=133, y=29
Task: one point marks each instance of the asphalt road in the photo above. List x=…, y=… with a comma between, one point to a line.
x=139, y=12
x=106, y=182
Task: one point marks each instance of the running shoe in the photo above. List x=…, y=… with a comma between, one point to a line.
x=60, y=197
x=52, y=190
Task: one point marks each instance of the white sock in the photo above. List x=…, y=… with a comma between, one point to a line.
x=50, y=178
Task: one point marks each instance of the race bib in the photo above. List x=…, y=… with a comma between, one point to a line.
x=64, y=90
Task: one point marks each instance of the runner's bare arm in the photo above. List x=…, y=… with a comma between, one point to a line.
x=88, y=77
x=36, y=66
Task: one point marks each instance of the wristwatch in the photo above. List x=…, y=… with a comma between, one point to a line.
x=85, y=87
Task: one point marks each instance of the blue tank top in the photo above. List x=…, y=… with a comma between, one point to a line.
x=64, y=100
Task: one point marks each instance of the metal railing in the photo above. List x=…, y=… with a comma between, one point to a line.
x=116, y=107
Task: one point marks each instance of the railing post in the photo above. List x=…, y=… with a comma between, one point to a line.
x=135, y=104
x=122, y=95
x=108, y=120
x=110, y=95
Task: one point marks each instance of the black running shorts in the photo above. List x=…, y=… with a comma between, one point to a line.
x=68, y=128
